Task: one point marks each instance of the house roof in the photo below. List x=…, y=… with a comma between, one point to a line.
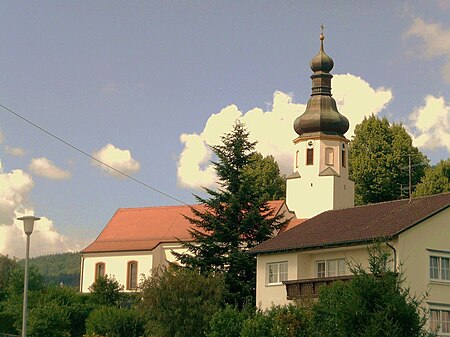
x=356, y=225
x=137, y=229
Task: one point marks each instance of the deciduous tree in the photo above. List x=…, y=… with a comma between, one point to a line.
x=378, y=161
x=436, y=179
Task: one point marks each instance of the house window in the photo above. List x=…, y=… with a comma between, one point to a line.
x=329, y=268
x=440, y=268
x=277, y=272
x=329, y=156
x=296, y=159
x=99, y=270
x=132, y=274
x=344, y=164
x=440, y=321
x=309, y=156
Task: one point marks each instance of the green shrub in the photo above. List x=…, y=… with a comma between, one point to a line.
x=228, y=321
x=49, y=319
x=115, y=322
x=106, y=291
x=279, y=321
x=180, y=302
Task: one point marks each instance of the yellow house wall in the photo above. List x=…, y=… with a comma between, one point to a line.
x=268, y=295
x=301, y=265
x=431, y=237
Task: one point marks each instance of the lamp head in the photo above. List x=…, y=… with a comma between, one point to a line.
x=28, y=223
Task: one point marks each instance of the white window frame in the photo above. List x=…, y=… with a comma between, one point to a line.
x=440, y=313
x=331, y=268
x=276, y=273
x=440, y=270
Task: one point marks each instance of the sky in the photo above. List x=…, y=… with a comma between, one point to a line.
x=147, y=86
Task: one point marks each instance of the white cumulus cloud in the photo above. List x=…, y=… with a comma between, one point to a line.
x=117, y=158
x=272, y=129
x=15, y=187
x=435, y=42
x=430, y=124
x=356, y=99
x=14, y=151
x=45, y=239
x=46, y=168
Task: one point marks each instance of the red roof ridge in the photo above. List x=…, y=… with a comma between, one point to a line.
x=180, y=206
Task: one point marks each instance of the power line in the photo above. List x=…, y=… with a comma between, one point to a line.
x=92, y=157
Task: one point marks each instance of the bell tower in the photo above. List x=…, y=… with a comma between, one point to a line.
x=319, y=181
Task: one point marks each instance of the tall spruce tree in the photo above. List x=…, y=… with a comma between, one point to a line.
x=235, y=218
x=378, y=161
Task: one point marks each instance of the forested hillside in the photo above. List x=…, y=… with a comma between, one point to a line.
x=57, y=268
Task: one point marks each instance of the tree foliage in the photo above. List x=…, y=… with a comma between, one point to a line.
x=378, y=161
x=180, y=302
x=372, y=303
x=228, y=321
x=115, y=322
x=265, y=173
x=7, y=266
x=57, y=268
x=106, y=291
x=236, y=218
x=279, y=321
x=436, y=179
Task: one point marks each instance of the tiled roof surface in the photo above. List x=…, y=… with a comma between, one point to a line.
x=357, y=224
x=132, y=229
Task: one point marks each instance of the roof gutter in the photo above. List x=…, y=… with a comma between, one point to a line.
x=324, y=246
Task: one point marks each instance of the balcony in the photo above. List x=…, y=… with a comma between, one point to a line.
x=309, y=288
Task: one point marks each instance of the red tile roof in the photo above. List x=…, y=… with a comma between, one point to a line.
x=137, y=229
x=356, y=225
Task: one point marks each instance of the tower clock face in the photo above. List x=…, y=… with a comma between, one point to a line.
x=310, y=143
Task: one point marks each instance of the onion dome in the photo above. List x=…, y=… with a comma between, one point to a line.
x=321, y=115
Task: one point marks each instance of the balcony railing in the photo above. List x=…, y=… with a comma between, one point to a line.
x=298, y=289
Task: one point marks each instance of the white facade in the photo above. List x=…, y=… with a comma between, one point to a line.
x=319, y=183
x=116, y=264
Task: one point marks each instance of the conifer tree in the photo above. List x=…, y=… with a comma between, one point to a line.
x=235, y=218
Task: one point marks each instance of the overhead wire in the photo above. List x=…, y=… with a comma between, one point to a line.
x=92, y=157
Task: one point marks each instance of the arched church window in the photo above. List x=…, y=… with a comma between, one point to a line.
x=99, y=270
x=132, y=274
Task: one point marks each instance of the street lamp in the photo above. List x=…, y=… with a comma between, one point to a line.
x=28, y=225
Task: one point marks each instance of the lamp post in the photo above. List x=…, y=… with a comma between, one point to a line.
x=28, y=225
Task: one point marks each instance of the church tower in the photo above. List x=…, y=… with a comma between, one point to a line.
x=320, y=180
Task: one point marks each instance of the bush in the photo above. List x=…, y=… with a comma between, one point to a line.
x=228, y=321
x=180, y=302
x=115, y=322
x=279, y=321
x=49, y=319
x=106, y=291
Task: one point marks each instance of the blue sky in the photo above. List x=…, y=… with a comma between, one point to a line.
x=145, y=85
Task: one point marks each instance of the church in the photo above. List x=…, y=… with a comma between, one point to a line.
x=325, y=231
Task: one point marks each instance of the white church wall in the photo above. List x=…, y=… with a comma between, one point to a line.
x=116, y=264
